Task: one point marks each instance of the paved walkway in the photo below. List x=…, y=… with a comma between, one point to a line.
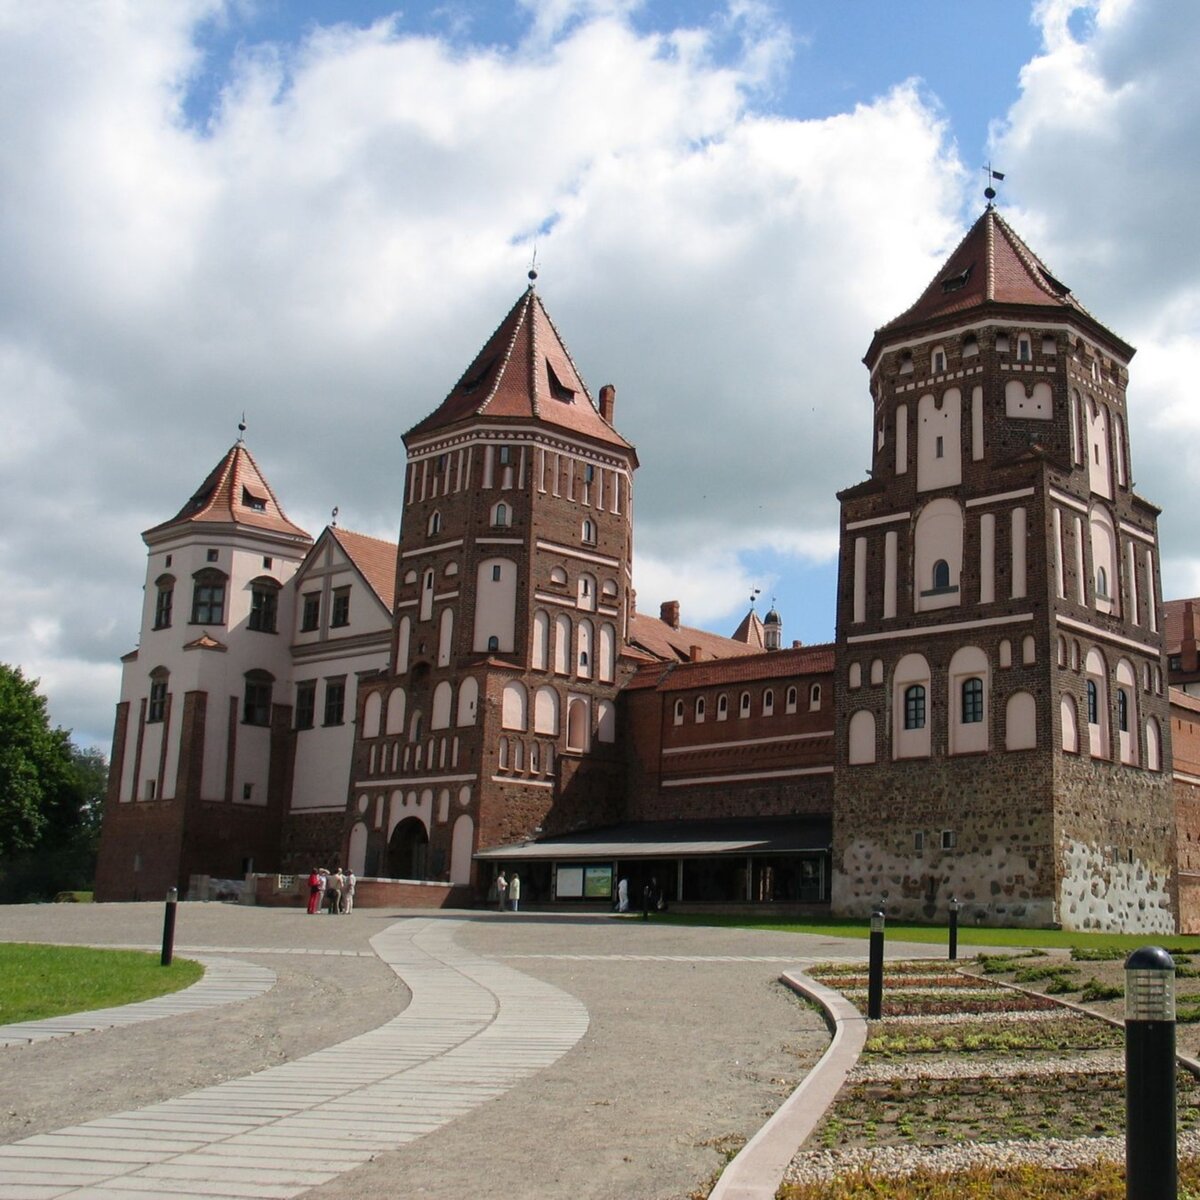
x=474, y=1029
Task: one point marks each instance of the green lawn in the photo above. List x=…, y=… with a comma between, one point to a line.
x=49, y=981
x=937, y=934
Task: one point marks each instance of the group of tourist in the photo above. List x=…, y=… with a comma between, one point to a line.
x=508, y=892
x=331, y=892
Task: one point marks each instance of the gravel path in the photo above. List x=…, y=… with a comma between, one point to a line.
x=691, y=1044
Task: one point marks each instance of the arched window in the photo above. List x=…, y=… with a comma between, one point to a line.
x=468, y=699
x=435, y=523
x=500, y=514
x=208, y=598
x=914, y=706
x=163, y=601
x=1101, y=582
x=1020, y=722
x=941, y=574
x=699, y=710
x=493, y=644
x=790, y=701
x=545, y=711
x=1070, y=726
x=768, y=703
x=514, y=712
x=1122, y=710
x=589, y=532
x=861, y=747
x=578, y=733
x=264, y=604
x=814, y=698
x=722, y=707
x=972, y=700
x=678, y=712
x=1093, y=703
x=156, y=706
x=744, y=705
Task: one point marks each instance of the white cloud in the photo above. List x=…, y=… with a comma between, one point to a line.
x=1101, y=147
x=332, y=247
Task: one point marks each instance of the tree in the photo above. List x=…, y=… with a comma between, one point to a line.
x=51, y=798
x=35, y=762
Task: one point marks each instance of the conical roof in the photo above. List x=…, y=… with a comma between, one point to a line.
x=235, y=492
x=992, y=267
x=523, y=372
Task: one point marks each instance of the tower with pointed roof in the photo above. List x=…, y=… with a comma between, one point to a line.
x=200, y=777
x=495, y=720
x=1002, y=731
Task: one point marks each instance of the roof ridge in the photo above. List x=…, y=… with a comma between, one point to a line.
x=506, y=358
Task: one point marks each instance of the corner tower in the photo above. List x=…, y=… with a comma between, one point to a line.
x=200, y=772
x=1002, y=725
x=496, y=720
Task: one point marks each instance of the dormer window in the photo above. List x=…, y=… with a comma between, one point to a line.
x=954, y=283
x=252, y=501
x=558, y=389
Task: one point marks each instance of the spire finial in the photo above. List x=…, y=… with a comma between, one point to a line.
x=333, y=517
x=989, y=192
x=242, y=429
x=533, y=266
x=754, y=596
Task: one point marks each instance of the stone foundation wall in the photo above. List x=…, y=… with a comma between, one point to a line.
x=1117, y=839
x=996, y=811
x=312, y=840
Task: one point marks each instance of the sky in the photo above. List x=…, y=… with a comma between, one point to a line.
x=316, y=212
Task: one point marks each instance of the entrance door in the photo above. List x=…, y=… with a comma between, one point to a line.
x=408, y=850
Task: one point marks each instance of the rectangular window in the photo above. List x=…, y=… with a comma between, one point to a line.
x=247, y=791
x=496, y=574
x=156, y=710
x=264, y=609
x=306, y=703
x=919, y=841
x=341, y=607
x=162, y=607
x=335, y=701
x=941, y=449
x=914, y=707
x=267, y=564
x=310, y=614
x=151, y=790
x=949, y=839
x=212, y=555
x=257, y=707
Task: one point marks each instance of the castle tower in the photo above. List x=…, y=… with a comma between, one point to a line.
x=496, y=719
x=1002, y=728
x=772, y=630
x=200, y=764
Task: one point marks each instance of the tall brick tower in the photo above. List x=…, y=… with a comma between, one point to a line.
x=1002, y=728
x=496, y=720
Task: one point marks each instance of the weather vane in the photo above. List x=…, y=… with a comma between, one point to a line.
x=242, y=428
x=754, y=596
x=989, y=191
x=533, y=266
x=333, y=516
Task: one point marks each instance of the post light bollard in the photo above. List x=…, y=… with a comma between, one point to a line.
x=168, y=941
x=875, y=971
x=1151, y=1155
x=953, y=944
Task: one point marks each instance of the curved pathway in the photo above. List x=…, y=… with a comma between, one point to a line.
x=225, y=981
x=473, y=1030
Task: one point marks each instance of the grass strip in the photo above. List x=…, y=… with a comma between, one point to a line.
x=1097, y=1181
x=50, y=981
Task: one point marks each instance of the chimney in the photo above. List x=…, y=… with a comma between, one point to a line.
x=796, y=643
x=694, y=654
x=1187, y=645
x=608, y=401
x=669, y=613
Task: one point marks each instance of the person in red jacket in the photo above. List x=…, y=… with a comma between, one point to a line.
x=314, y=890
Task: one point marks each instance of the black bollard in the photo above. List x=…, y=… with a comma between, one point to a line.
x=1151, y=1155
x=875, y=971
x=168, y=943
x=953, y=954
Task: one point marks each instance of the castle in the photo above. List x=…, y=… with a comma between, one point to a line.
x=993, y=723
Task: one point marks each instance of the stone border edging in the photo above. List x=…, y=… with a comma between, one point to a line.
x=757, y=1170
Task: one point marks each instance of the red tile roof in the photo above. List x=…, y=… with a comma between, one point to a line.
x=524, y=371
x=375, y=559
x=992, y=266
x=1181, y=699
x=750, y=631
x=777, y=664
x=674, y=644
x=235, y=492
